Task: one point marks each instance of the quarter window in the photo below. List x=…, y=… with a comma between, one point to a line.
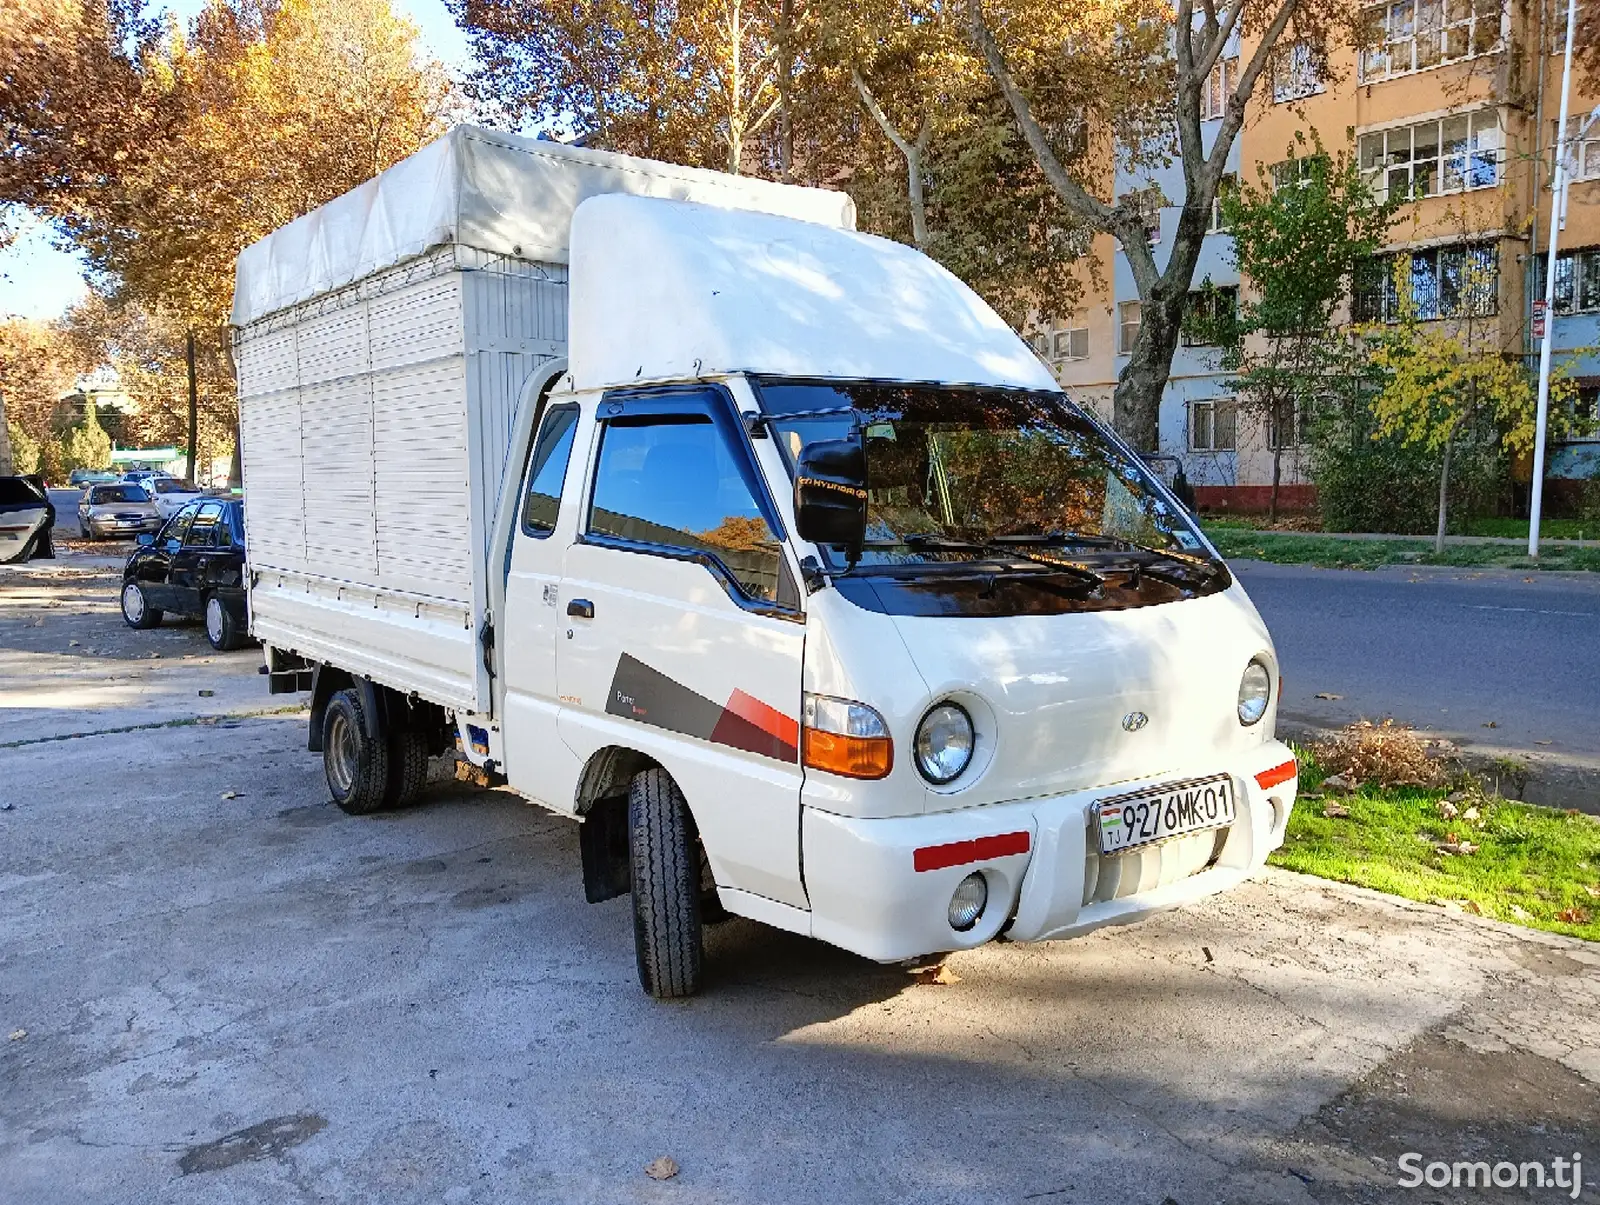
x=547, y=470
x=673, y=482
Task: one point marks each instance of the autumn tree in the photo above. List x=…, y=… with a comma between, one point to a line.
x=1449, y=388
x=39, y=362
x=1149, y=111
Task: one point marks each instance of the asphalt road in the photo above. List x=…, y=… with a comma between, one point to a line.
x=216, y=987
x=1489, y=658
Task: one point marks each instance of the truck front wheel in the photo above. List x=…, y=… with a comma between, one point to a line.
x=357, y=766
x=665, y=867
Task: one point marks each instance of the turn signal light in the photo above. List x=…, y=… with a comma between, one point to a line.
x=845, y=738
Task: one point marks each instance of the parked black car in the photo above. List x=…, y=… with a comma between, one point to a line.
x=193, y=566
x=27, y=518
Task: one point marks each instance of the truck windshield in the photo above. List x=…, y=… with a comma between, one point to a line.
x=960, y=474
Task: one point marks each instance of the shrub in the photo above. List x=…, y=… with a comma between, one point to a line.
x=1386, y=755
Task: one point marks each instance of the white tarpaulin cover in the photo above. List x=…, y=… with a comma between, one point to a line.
x=493, y=191
x=664, y=290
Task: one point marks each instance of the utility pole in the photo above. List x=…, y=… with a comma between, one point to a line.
x=1558, y=186
x=194, y=410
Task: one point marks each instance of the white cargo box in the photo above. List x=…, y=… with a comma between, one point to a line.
x=382, y=344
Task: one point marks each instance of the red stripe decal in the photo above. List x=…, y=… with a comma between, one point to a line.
x=1271, y=778
x=769, y=719
x=980, y=849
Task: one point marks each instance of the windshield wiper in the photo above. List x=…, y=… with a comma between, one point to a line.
x=1059, y=539
x=922, y=541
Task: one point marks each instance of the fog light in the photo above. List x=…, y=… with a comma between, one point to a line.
x=968, y=902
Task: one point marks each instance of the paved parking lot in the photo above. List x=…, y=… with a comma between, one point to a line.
x=214, y=986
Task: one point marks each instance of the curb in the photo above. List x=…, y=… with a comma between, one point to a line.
x=1548, y=780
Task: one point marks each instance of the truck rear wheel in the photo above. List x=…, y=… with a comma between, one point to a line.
x=408, y=764
x=665, y=867
x=357, y=766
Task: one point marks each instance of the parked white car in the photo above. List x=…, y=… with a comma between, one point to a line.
x=172, y=494
x=798, y=580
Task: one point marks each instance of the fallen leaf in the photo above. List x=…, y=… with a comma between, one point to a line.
x=1594, y=892
x=1206, y=950
x=1490, y=724
x=1470, y=815
x=1544, y=742
x=230, y=794
x=206, y=694
x=1335, y=811
x=1322, y=694
x=18, y=1034
x=941, y=975
x=1448, y=810
x=1338, y=783
x=72, y=644
x=1460, y=848
x=1472, y=907
x=1573, y=916
x=1521, y=913
x=663, y=1168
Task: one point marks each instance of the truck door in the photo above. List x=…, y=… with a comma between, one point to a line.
x=537, y=763
x=682, y=628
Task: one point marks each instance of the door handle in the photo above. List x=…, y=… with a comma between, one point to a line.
x=581, y=607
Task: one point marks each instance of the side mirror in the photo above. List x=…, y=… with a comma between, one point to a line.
x=830, y=494
x=172, y=545
x=145, y=539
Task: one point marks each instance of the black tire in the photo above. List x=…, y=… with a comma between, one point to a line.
x=137, y=612
x=222, y=629
x=665, y=868
x=357, y=766
x=408, y=765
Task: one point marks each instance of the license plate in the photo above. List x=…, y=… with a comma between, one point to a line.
x=1143, y=817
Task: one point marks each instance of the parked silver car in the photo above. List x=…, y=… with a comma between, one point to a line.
x=172, y=494
x=112, y=511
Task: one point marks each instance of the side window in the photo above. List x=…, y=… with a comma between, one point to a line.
x=547, y=469
x=675, y=483
x=203, y=531
x=177, y=527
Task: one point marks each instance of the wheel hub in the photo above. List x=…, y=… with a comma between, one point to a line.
x=133, y=602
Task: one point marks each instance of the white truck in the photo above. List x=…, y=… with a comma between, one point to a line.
x=760, y=546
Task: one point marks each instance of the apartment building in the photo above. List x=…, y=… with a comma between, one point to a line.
x=1453, y=104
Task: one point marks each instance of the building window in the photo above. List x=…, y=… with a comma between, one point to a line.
x=1296, y=173
x=1583, y=157
x=1286, y=427
x=1577, y=280
x=1128, y=319
x=1070, y=344
x=1218, y=86
x=1213, y=425
x=1207, y=315
x=1586, y=406
x=1147, y=203
x=1226, y=187
x=1296, y=72
x=1403, y=36
x=1453, y=154
x=1461, y=281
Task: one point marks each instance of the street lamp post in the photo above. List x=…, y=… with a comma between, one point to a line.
x=1558, y=186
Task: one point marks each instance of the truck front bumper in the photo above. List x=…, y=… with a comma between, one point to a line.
x=868, y=895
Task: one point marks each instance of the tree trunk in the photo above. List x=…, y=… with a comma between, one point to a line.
x=1444, y=497
x=1277, y=477
x=7, y=460
x=194, y=409
x=1136, y=405
x=786, y=91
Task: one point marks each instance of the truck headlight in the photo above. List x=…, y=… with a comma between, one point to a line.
x=944, y=743
x=1255, y=690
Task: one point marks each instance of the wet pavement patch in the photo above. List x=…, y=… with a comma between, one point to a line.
x=1444, y=1102
x=261, y=1141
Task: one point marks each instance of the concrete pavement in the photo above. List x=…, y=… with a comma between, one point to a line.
x=215, y=987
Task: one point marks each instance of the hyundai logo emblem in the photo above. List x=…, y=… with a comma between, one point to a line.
x=1134, y=721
